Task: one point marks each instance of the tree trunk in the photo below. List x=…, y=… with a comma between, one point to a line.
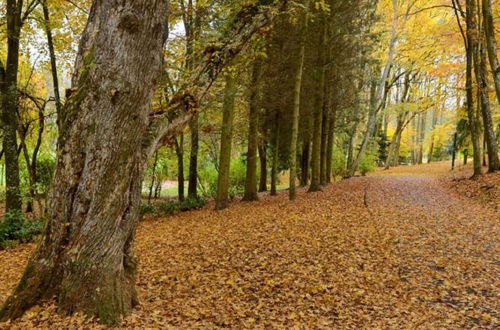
x=304, y=163
x=9, y=99
x=223, y=180
x=85, y=257
x=263, y=166
x=484, y=99
x=330, y=144
x=491, y=44
x=292, y=193
x=318, y=113
x=153, y=177
x=378, y=96
x=52, y=55
x=253, y=120
x=471, y=49
x=193, y=157
x=325, y=129
x=276, y=148
x=179, y=151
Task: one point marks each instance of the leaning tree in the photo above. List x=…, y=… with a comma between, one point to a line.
x=108, y=132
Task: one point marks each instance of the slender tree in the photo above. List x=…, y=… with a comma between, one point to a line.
x=222, y=198
x=253, y=125
x=296, y=102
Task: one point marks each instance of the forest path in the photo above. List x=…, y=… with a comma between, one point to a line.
x=419, y=256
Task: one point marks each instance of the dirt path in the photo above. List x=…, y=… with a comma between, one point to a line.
x=418, y=256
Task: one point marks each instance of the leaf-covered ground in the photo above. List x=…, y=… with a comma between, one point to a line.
x=396, y=250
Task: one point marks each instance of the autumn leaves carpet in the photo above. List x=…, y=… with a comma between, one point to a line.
x=419, y=256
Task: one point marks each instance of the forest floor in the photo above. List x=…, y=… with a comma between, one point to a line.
x=399, y=249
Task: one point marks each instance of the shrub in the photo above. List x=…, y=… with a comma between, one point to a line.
x=369, y=161
x=166, y=208
x=16, y=229
x=147, y=209
x=192, y=204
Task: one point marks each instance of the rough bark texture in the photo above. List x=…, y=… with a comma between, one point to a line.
x=107, y=136
x=85, y=257
x=222, y=198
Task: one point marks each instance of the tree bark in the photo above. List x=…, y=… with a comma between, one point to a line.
x=484, y=99
x=292, y=193
x=253, y=125
x=85, y=257
x=193, y=157
x=179, y=150
x=9, y=100
x=276, y=149
x=52, y=55
x=318, y=112
x=108, y=133
x=223, y=180
x=263, y=166
x=491, y=44
x=471, y=49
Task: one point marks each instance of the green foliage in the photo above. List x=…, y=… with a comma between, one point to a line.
x=369, y=162
x=168, y=208
x=209, y=176
x=338, y=163
x=16, y=229
x=147, y=209
x=192, y=203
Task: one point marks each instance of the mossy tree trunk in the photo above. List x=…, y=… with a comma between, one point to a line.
x=108, y=133
x=223, y=180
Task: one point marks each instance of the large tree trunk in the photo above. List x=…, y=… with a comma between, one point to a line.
x=85, y=257
x=9, y=99
x=108, y=133
x=330, y=144
x=292, y=193
x=223, y=180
